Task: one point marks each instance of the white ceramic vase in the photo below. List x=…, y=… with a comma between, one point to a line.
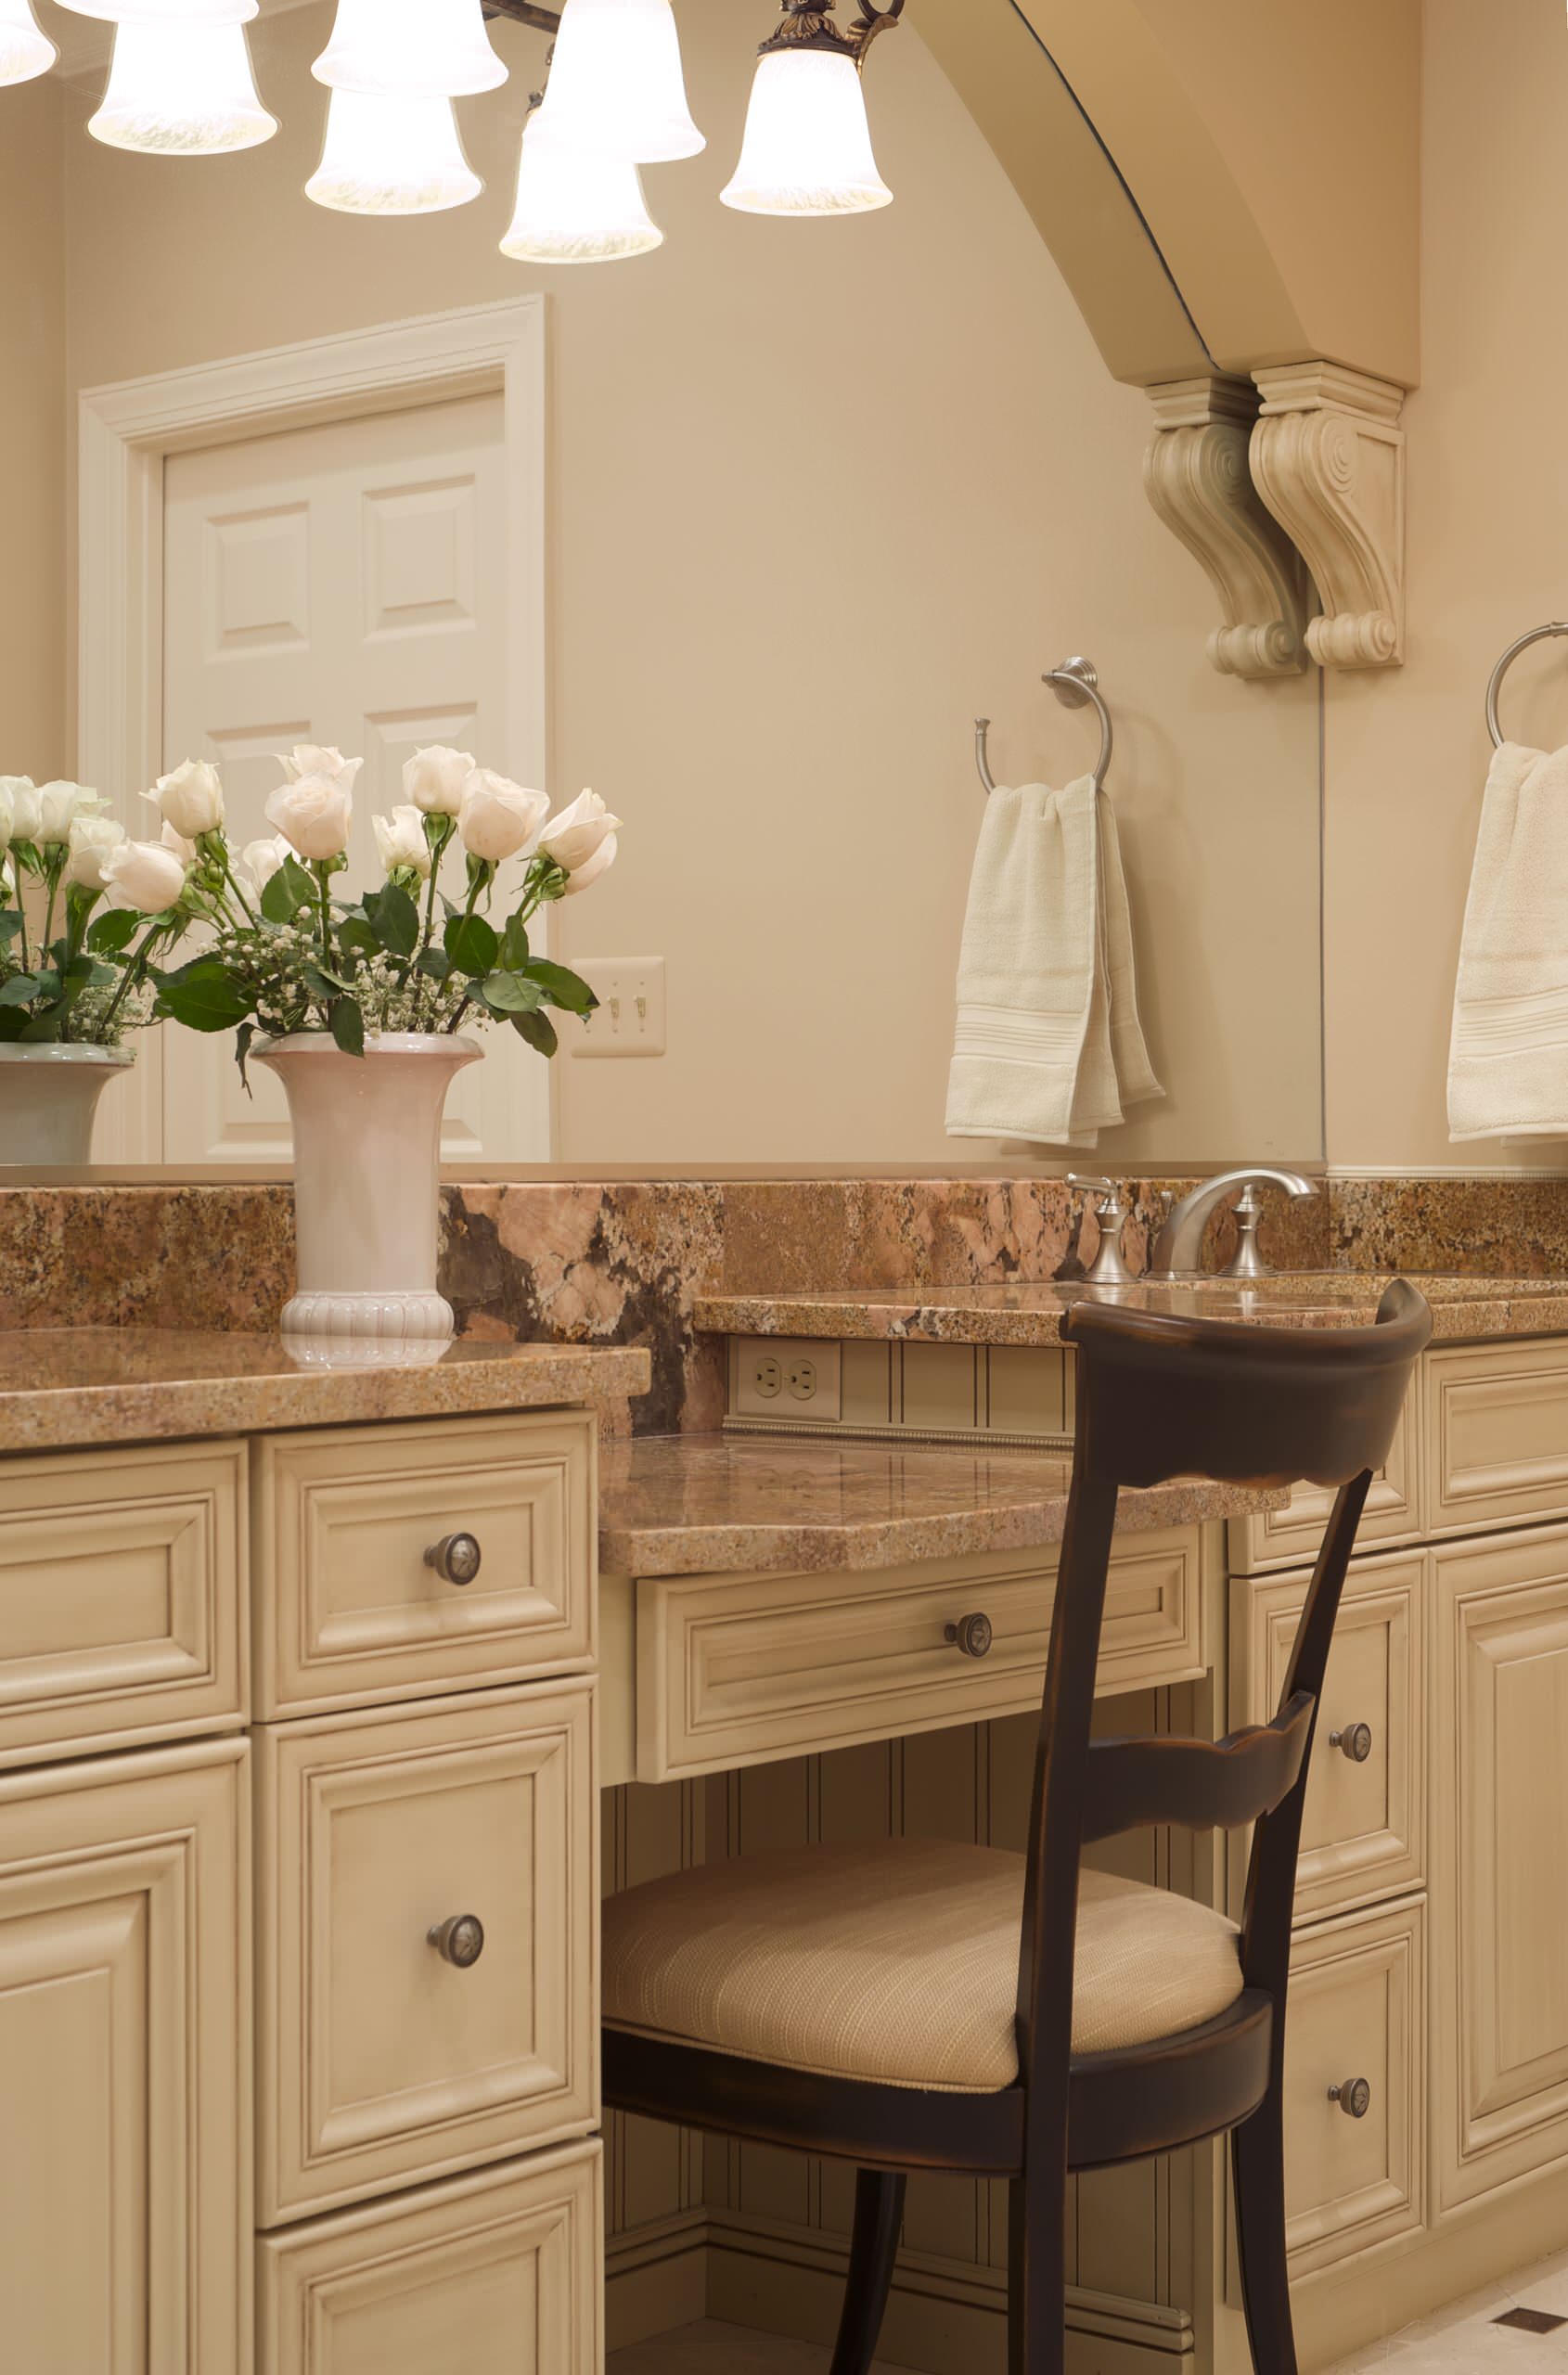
x=48, y=1099
x=368, y=1181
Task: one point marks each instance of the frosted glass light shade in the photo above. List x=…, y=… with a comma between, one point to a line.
x=24, y=51
x=577, y=210
x=166, y=12
x=616, y=86
x=807, y=148
x=391, y=157
x=182, y=91
x=410, y=49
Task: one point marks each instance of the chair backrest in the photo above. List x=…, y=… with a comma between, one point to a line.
x=1160, y=1397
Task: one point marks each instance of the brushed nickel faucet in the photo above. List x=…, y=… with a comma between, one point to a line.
x=1179, y=1249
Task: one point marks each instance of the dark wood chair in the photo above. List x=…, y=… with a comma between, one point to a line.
x=874, y=2004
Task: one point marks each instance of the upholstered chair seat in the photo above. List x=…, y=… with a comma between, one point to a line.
x=897, y=1961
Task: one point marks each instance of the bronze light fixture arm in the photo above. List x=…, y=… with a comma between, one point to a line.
x=808, y=24
x=523, y=12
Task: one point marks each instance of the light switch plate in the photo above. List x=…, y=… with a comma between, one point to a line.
x=630, y=1018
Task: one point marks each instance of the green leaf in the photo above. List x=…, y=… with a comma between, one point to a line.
x=203, y=997
x=322, y=982
x=21, y=990
x=436, y=963
x=472, y=946
x=113, y=931
x=43, y=1026
x=242, y=1039
x=510, y=993
x=538, y=1030
x=359, y=936
x=288, y=890
x=10, y=923
x=565, y=989
x=514, y=943
x=348, y=1026
x=394, y=919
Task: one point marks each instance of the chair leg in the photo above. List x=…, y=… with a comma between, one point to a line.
x=1258, y=2159
x=878, y=2213
x=1036, y=2277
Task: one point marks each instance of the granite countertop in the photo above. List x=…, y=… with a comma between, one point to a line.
x=69, y=1386
x=1032, y=1313
x=693, y=1505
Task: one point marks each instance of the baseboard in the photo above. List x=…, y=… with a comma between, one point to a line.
x=656, y=2278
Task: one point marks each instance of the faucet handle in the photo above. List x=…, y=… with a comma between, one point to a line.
x=1248, y=1262
x=1110, y=1269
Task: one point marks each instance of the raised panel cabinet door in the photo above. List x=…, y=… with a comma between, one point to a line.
x=1291, y=1536
x=1496, y=1432
x=121, y=1598
x=393, y=2050
x=1501, y=1854
x=1355, y=2161
x=494, y=2274
x=125, y=2066
x=348, y=1607
x=1364, y=1832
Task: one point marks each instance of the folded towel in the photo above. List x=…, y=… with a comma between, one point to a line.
x=1049, y=1044
x=1508, y=1058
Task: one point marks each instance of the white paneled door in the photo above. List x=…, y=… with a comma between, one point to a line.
x=344, y=584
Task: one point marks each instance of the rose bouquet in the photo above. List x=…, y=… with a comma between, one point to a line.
x=286, y=955
x=76, y=980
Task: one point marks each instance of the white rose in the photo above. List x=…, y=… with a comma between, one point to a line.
x=435, y=779
x=91, y=839
x=191, y=798
x=185, y=851
x=60, y=804
x=314, y=814
x=19, y=796
x=318, y=759
x=400, y=839
x=600, y=863
x=145, y=875
x=262, y=859
x=498, y=818
x=574, y=837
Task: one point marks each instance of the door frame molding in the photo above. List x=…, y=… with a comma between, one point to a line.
x=126, y=429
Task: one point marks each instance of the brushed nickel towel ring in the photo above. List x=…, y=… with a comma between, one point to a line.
x=1520, y=643
x=1074, y=683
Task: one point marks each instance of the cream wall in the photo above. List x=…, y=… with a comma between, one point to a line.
x=32, y=431
x=1407, y=753
x=820, y=494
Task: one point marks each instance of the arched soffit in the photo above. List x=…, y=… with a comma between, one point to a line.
x=1224, y=184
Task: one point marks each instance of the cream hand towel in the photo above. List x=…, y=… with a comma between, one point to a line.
x=1049, y=1044
x=1508, y=1058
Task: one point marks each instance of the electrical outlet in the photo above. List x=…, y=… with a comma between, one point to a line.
x=630, y=1017
x=774, y=1378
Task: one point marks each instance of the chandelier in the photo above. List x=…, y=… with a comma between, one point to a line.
x=614, y=100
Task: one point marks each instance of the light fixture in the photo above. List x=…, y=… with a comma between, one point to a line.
x=24, y=51
x=807, y=148
x=616, y=86
x=183, y=90
x=410, y=49
x=391, y=157
x=572, y=209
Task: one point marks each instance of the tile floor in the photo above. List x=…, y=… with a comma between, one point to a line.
x=1465, y=2337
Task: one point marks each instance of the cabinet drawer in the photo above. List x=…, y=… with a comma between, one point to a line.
x=121, y=1598
x=498, y=2272
x=1291, y=1536
x=1496, y=1431
x=1364, y=1834
x=380, y=2062
x=743, y=1669
x=348, y=1609
x=1355, y=2012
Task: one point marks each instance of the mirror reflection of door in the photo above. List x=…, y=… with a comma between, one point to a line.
x=341, y=583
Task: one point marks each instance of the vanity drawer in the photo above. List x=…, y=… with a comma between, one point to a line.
x=508, y=2261
x=736, y=1670
x=1291, y=1536
x=349, y=1612
x=382, y=2063
x=1364, y=1827
x=121, y=1598
x=1496, y=1431
x=1355, y=2009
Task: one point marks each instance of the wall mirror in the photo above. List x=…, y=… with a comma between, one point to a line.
x=744, y=533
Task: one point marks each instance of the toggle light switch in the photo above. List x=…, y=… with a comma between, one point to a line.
x=630, y=1019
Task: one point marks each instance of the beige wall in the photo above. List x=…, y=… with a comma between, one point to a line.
x=1407, y=753
x=32, y=426
x=820, y=494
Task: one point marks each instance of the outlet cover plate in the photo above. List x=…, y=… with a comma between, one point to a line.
x=785, y=1378
x=630, y=1018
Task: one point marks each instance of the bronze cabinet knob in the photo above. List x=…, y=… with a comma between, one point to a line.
x=455, y=1558
x=1355, y=1742
x=972, y=1635
x=1354, y=2098
x=460, y=1942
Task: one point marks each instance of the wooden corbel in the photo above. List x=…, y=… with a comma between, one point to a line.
x=1327, y=457
x=1196, y=474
